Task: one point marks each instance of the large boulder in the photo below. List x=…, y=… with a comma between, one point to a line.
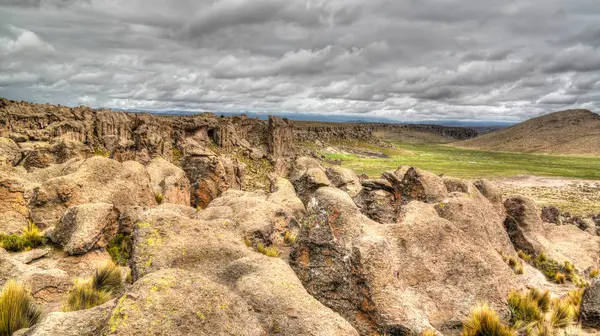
x=271, y=287
x=211, y=175
x=474, y=214
x=47, y=285
x=85, y=227
x=523, y=224
x=169, y=181
x=590, y=306
x=307, y=175
x=563, y=243
x=280, y=136
x=490, y=191
x=96, y=180
x=88, y=322
x=399, y=278
x=345, y=179
x=177, y=302
x=422, y=186
x=14, y=195
x=377, y=201
x=551, y=214
x=42, y=154
x=10, y=150
x=284, y=194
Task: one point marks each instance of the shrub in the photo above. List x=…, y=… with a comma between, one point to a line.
x=524, y=309
x=17, y=309
x=542, y=299
x=31, y=238
x=120, y=249
x=159, y=198
x=84, y=296
x=563, y=313
x=428, y=332
x=560, y=278
x=94, y=291
x=484, y=321
x=107, y=277
x=289, y=238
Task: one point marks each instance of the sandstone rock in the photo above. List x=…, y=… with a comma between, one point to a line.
x=85, y=227
x=10, y=150
x=280, y=136
x=96, y=180
x=490, y=191
x=475, y=215
x=169, y=181
x=211, y=175
x=271, y=287
x=163, y=239
x=88, y=322
x=47, y=286
x=345, y=179
x=523, y=224
x=378, y=204
x=13, y=200
x=422, y=186
x=396, y=278
x=590, y=306
x=177, y=302
x=307, y=176
x=284, y=194
x=562, y=243
x=43, y=154
x=551, y=214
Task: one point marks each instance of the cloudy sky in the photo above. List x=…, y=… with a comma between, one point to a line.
x=404, y=59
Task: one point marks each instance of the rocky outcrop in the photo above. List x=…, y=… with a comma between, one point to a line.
x=88, y=322
x=345, y=179
x=85, y=227
x=178, y=302
x=42, y=154
x=523, y=224
x=590, y=306
x=377, y=201
x=280, y=136
x=96, y=180
x=397, y=278
x=10, y=150
x=169, y=182
x=551, y=214
x=14, y=197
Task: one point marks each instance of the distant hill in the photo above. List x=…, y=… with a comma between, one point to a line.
x=564, y=132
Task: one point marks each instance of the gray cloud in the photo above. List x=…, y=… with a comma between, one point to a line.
x=405, y=59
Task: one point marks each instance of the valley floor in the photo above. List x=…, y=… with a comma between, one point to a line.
x=570, y=182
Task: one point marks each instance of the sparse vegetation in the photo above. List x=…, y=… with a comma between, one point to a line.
x=98, y=151
x=514, y=264
x=289, y=238
x=120, y=249
x=177, y=155
x=29, y=239
x=268, y=251
x=428, y=332
x=552, y=269
x=96, y=290
x=159, y=197
x=17, y=309
x=484, y=321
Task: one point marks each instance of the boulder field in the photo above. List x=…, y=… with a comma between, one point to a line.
x=316, y=251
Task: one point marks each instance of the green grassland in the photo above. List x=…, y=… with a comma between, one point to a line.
x=469, y=163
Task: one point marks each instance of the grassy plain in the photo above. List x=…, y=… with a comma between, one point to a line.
x=470, y=163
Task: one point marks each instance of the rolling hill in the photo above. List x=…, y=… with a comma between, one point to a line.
x=565, y=132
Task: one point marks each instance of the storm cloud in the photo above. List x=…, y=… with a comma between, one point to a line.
x=402, y=59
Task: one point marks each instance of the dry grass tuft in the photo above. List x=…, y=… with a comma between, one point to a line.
x=560, y=278
x=17, y=309
x=485, y=321
x=31, y=238
x=289, y=238
x=524, y=309
x=563, y=314
x=268, y=251
x=96, y=290
x=594, y=273
x=159, y=198
x=428, y=332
